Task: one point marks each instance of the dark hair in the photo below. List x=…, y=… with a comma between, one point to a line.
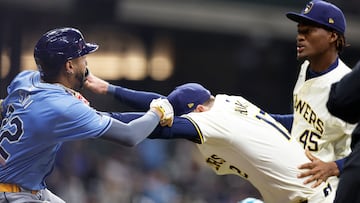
x=341, y=43
x=341, y=40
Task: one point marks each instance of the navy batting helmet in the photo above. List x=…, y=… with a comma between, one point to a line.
x=56, y=47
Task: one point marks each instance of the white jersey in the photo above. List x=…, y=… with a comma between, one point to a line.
x=326, y=136
x=238, y=138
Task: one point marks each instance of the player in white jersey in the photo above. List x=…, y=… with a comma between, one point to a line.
x=320, y=39
x=315, y=128
x=234, y=137
x=239, y=138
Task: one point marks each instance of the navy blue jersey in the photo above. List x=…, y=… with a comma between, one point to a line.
x=38, y=118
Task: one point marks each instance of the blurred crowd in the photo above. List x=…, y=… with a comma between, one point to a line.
x=155, y=171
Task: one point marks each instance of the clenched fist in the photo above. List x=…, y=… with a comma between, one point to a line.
x=166, y=109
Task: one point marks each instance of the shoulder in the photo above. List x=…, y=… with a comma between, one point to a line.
x=27, y=73
x=224, y=99
x=304, y=65
x=24, y=76
x=341, y=70
x=343, y=67
x=23, y=81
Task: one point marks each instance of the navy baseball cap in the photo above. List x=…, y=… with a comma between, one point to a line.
x=322, y=13
x=186, y=97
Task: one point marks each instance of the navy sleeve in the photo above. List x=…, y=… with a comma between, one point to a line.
x=125, y=117
x=340, y=164
x=285, y=119
x=344, y=97
x=182, y=128
x=137, y=99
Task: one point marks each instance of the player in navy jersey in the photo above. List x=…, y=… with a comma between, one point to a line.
x=43, y=110
x=344, y=102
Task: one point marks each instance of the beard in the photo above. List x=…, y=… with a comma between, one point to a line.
x=81, y=78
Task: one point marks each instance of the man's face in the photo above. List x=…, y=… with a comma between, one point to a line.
x=312, y=41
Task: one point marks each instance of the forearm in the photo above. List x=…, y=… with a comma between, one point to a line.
x=137, y=99
x=133, y=132
x=182, y=128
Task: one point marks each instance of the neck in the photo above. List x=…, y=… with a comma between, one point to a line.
x=65, y=83
x=58, y=80
x=323, y=62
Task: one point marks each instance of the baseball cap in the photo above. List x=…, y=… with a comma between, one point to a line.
x=322, y=13
x=186, y=97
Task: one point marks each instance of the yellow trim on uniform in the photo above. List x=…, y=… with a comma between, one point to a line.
x=8, y=187
x=201, y=137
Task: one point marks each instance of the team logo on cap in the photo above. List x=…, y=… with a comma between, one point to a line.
x=190, y=105
x=308, y=7
x=331, y=21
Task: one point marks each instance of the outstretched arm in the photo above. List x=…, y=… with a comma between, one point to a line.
x=182, y=128
x=133, y=132
x=137, y=99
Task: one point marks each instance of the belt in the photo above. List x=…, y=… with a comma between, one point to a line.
x=8, y=187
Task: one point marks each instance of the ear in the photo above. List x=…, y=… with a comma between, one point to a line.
x=200, y=108
x=334, y=36
x=69, y=67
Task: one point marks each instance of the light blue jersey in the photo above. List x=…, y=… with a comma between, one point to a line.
x=38, y=118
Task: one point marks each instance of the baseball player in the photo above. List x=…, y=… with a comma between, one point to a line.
x=234, y=137
x=43, y=110
x=320, y=39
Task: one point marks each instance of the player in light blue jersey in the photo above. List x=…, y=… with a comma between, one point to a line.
x=43, y=110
